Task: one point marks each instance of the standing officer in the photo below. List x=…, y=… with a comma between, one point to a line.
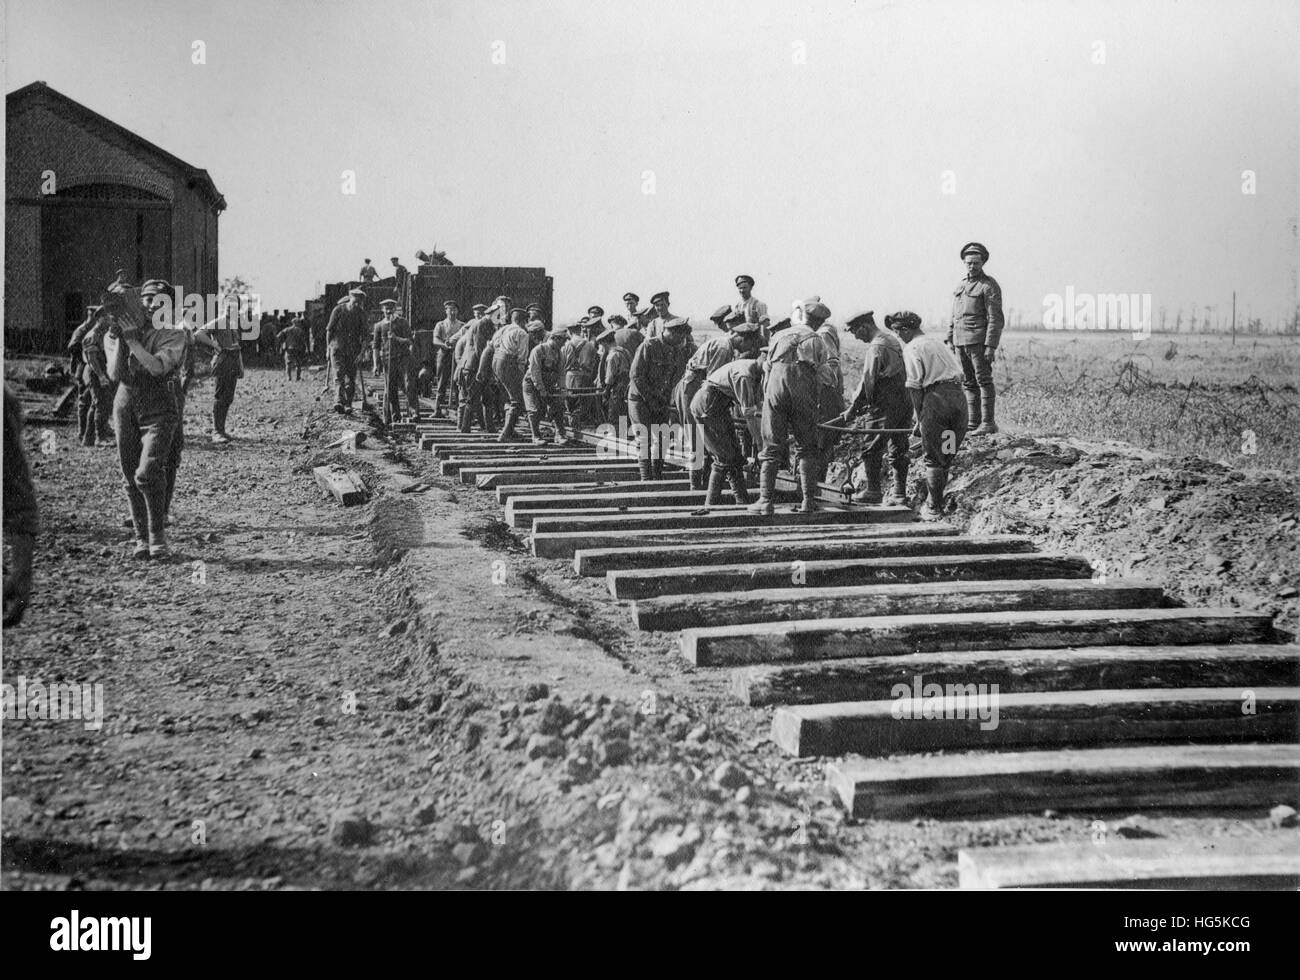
x=346, y=334
x=396, y=332
x=659, y=301
x=934, y=385
x=882, y=397
x=142, y=359
x=368, y=272
x=510, y=352
x=544, y=386
x=581, y=362
x=293, y=342
x=974, y=333
x=656, y=368
x=753, y=308
x=795, y=360
x=734, y=388
x=445, y=334
x=222, y=337
x=402, y=277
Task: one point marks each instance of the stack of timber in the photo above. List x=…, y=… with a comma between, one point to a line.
x=939, y=673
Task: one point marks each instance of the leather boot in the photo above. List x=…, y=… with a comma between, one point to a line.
x=535, y=428
x=871, y=493
x=765, y=504
x=714, y=491
x=808, y=485
x=898, y=495
x=989, y=425
x=736, y=478
x=972, y=411
x=936, y=480
x=508, y=427
x=462, y=420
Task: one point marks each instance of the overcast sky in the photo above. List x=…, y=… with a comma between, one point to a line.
x=1092, y=145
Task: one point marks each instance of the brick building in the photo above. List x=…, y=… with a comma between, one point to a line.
x=85, y=197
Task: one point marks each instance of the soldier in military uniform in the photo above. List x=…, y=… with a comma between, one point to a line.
x=95, y=388
x=368, y=272
x=882, y=397
x=734, y=388
x=544, y=386
x=796, y=362
x=156, y=294
x=474, y=339
x=142, y=358
x=656, y=368
x=716, y=351
x=615, y=368
x=445, y=334
x=934, y=384
x=751, y=307
x=395, y=333
x=293, y=342
x=510, y=352
x=581, y=363
x=346, y=333
x=974, y=333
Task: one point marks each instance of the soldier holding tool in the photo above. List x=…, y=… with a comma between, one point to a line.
x=445, y=334
x=346, y=334
x=734, y=388
x=581, y=362
x=543, y=386
x=510, y=351
x=882, y=397
x=397, y=339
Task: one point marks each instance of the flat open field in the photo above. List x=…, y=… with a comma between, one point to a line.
x=1174, y=393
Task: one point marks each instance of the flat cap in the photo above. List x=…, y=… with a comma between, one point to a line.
x=595, y=311
x=720, y=315
x=607, y=335
x=535, y=326
x=744, y=278
x=452, y=302
x=975, y=247
x=561, y=331
x=518, y=309
x=357, y=292
x=393, y=258
x=677, y=323
x=152, y=287
x=618, y=321
x=535, y=306
x=478, y=308
x=659, y=296
x=861, y=319
x=903, y=318
x=815, y=309
x=388, y=302
x=741, y=327
x=783, y=324
x=631, y=298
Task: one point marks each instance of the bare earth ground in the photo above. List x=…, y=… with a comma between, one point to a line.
x=346, y=698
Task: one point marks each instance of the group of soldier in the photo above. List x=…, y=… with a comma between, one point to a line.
x=769, y=391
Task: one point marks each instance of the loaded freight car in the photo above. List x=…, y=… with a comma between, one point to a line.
x=433, y=285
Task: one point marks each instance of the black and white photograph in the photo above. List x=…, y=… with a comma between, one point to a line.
x=642, y=446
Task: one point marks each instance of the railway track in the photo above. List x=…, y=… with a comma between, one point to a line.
x=938, y=673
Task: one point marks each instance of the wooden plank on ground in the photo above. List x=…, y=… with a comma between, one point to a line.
x=631, y=497
x=828, y=639
x=741, y=518
x=795, y=547
x=519, y=516
x=880, y=569
x=504, y=494
x=345, y=485
x=993, y=594
x=987, y=719
x=985, y=784
x=507, y=475
x=565, y=544
x=552, y=467
x=1066, y=669
x=1217, y=863
x=505, y=451
x=453, y=465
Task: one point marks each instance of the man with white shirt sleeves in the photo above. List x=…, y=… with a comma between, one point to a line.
x=510, y=349
x=934, y=383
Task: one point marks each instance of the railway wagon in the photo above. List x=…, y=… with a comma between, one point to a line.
x=433, y=285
